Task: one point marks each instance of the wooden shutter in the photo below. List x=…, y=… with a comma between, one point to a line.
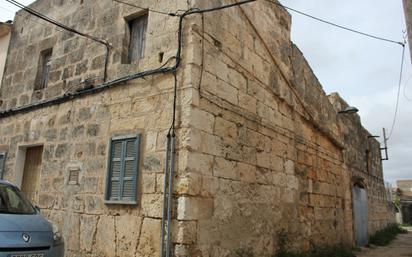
x=123, y=169
x=46, y=68
x=129, y=169
x=2, y=163
x=116, y=169
x=137, y=45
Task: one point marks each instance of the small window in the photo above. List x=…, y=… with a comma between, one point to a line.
x=2, y=164
x=44, y=69
x=123, y=170
x=137, y=43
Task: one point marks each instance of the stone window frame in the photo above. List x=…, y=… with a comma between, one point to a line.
x=3, y=157
x=135, y=24
x=120, y=198
x=43, y=69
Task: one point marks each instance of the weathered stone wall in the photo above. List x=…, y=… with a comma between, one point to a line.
x=77, y=133
x=363, y=162
x=76, y=58
x=5, y=31
x=261, y=149
x=408, y=18
x=404, y=193
x=270, y=153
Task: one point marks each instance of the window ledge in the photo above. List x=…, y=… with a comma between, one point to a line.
x=110, y=202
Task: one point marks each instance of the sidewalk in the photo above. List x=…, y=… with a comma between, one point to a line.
x=400, y=247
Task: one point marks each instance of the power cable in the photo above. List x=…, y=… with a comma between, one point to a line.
x=405, y=87
x=336, y=25
x=8, y=10
x=61, y=25
x=145, y=8
x=72, y=30
x=399, y=93
x=42, y=24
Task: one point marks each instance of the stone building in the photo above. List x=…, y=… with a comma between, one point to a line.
x=404, y=194
x=407, y=6
x=5, y=31
x=261, y=150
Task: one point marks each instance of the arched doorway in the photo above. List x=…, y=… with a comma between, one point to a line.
x=360, y=213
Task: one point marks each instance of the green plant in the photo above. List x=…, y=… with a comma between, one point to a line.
x=244, y=252
x=319, y=251
x=387, y=235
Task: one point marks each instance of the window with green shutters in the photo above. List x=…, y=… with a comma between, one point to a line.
x=2, y=162
x=123, y=170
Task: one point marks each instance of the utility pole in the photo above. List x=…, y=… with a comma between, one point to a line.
x=385, y=141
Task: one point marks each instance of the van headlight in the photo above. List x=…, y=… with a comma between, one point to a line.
x=57, y=237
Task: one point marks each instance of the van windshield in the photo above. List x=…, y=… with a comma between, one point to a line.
x=13, y=201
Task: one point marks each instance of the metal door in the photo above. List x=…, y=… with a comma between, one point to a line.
x=360, y=215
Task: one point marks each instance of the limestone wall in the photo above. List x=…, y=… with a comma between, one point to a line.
x=75, y=58
x=261, y=150
x=5, y=31
x=272, y=153
x=363, y=162
x=77, y=133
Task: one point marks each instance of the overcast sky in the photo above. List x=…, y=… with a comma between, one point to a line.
x=364, y=71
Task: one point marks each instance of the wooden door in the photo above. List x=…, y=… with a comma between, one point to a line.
x=31, y=176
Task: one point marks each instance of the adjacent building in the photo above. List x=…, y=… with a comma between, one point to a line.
x=407, y=5
x=5, y=32
x=404, y=194
x=261, y=150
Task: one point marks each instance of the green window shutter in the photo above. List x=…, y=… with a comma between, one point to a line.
x=2, y=163
x=123, y=169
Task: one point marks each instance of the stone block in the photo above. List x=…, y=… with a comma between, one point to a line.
x=201, y=120
x=88, y=226
x=188, y=184
x=200, y=163
x=210, y=186
x=225, y=169
x=148, y=182
x=128, y=228
x=194, y=208
x=184, y=232
x=149, y=243
x=152, y=205
x=247, y=102
x=289, y=167
x=225, y=129
x=263, y=159
x=106, y=236
x=211, y=144
x=71, y=231
x=247, y=172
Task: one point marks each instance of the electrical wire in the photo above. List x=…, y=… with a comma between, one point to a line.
x=399, y=93
x=336, y=25
x=145, y=8
x=72, y=30
x=405, y=87
x=7, y=10
x=58, y=24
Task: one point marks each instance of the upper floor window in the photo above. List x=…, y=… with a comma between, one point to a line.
x=43, y=69
x=137, y=43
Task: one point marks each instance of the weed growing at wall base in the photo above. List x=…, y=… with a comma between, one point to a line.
x=387, y=235
x=320, y=251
